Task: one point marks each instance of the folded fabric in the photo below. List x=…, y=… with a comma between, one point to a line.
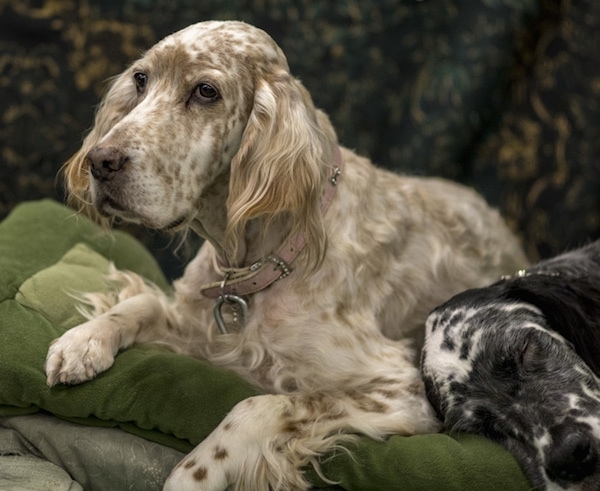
x=95, y=457
x=48, y=253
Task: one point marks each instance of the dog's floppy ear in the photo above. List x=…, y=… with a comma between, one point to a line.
x=118, y=102
x=283, y=159
x=569, y=305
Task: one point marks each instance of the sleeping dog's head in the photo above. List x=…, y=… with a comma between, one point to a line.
x=515, y=362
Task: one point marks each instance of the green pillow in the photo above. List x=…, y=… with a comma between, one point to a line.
x=48, y=253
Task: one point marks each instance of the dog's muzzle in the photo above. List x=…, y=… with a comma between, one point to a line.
x=572, y=456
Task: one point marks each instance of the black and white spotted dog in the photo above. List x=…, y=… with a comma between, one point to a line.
x=518, y=362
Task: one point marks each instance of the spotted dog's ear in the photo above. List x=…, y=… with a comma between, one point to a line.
x=570, y=306
x=120, y=99
x=281, y=164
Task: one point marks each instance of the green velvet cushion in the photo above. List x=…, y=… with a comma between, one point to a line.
x=48, y=253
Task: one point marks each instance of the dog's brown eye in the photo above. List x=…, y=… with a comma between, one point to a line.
x=206, y=93
x=141, y=79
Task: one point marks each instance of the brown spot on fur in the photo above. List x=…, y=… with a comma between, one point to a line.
x=342, y=413
x=227, y=426
x=325, y=407
x=294, y=426
x=291, y=427
x=371, y=405
x=382, y=381
x=416, y=388
x=366, y=403
x=220, y=453
x=189, y=463
x=200, y=474
x=389, y=394
x=342, y=310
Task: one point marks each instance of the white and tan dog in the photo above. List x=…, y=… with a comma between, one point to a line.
x=319, y=268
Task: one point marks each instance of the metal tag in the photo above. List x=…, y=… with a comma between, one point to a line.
x=239, y=306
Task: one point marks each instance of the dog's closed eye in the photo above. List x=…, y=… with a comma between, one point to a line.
x=532, y=354
x=517, y=359
x=533, y=358
x=523, y=358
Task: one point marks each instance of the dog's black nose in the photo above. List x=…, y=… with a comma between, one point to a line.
x=105, y=162
x=571, y=456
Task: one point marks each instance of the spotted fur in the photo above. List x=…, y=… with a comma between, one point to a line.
x=518, y=362
x=209, y=132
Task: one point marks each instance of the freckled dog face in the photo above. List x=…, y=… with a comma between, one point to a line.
x=498, y=372
x=172, y=122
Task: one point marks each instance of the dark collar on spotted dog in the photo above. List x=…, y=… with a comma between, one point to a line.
x=522, y=273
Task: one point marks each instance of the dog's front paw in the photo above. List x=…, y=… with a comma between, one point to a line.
x=80, y=354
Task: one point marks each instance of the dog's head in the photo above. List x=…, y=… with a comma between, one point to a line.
x=493, y=366
x=209, y=112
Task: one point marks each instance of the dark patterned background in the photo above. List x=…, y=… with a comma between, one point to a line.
x=501, y=94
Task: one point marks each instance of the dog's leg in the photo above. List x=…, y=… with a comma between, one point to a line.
x=265, y=441
x=136, y=312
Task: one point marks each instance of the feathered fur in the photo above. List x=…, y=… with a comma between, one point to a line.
x=210, y=132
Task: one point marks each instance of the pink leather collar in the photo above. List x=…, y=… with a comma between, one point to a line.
x=277, y=265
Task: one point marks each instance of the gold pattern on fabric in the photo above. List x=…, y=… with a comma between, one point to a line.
x=503, y=95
